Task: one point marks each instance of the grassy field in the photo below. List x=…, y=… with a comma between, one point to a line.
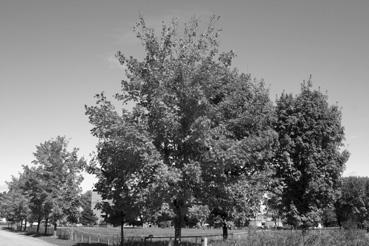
x=237, y=237
x=135, y=237
x=297, y=238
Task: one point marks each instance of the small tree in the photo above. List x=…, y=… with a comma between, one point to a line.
x=59, y=177
x=353, y=204
x=16, y=202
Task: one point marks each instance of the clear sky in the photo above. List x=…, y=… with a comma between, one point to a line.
x=55, y=55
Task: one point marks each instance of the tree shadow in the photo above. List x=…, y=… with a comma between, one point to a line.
x=138, y=243
x=90, y=244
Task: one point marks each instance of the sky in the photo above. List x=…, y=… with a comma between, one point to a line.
x=56, y=55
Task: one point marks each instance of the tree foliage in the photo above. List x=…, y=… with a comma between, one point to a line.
x=59, y=177
x=47, y=190
x=310, y=160
x=88, y=217
x=198, y=126
x=15, y=201
x=352, y=208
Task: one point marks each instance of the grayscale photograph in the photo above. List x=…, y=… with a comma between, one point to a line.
x=184, y=123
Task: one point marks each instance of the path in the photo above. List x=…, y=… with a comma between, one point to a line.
x=14, y=239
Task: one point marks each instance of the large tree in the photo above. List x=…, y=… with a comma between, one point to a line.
x=310, y=159
x=201, y=127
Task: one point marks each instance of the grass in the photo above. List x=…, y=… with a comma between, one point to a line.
x=298, y=238
x=247, y=238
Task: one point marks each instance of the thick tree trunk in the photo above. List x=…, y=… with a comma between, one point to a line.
x=38, y=225
x=55, y=228
x=225, y=231
x=25, y=225
x=21, y=225
x=177, y=232
x=179, y=209
x=46, y=222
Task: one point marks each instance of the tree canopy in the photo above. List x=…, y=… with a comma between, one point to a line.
x=49, y=189
x=310, y=159
x=352, y=207
x=198, y=125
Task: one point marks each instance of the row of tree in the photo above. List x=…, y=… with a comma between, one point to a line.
x=202, y=136
x=49, y=190
x=192, y=139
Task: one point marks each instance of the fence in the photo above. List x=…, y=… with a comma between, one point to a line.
x=33, y=229
x=88, y=238
x=83, y=237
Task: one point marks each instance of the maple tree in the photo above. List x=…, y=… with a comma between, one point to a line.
x=196, y=122
x=310, y=160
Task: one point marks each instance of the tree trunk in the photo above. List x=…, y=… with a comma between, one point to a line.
x=25, y=224
x=179, y=209
x=38, y=224
x=21, y=225
x=46, y=222
x=121, y=230
x=225, y=231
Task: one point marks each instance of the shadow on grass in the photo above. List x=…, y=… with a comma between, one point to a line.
x=90, y=244
x=5, y=228
x=32, y=234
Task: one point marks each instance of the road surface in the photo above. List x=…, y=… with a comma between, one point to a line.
x=14, y=239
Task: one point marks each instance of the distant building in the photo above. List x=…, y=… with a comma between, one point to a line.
x=264, y=219
x=96, y=198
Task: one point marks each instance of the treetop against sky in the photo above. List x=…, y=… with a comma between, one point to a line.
x=57, y=55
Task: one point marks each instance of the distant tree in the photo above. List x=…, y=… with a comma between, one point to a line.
x=352, y=208
x=88, y=217
x=16, y=202
x=197, y=215
x=2, y=204
x=59, y=177
x=85, y=199
x=205, y=126
x=310, y=160
x=35, y=186
x=329, y=217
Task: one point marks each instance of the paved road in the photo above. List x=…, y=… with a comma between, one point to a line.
x=14, y=239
